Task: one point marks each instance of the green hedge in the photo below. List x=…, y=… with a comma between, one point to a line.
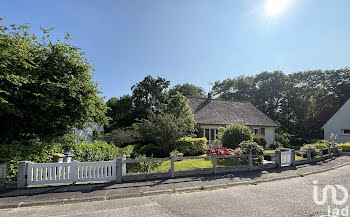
x=261, y=140
x=345, y=147
x=39, y=152
x=150, y=150
x=191, y=146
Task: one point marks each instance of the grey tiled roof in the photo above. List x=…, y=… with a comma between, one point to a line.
x=228, y=112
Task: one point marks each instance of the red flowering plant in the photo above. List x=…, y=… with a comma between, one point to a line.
x=225, y=151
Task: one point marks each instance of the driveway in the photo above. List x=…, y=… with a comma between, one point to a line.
x=292, y=197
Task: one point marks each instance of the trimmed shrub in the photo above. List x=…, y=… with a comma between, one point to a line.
x=345, y=147
x=256, y=149
x=191, y=146
x=283, y=138
x=234, y=134
x=39, y=152
x=276, y=145
x=261, y=140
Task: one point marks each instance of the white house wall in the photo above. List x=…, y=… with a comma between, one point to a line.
x=339, y=122
x=270, y=135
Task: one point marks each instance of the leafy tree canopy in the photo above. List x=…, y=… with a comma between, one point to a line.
x=46, y=86
x=300, y=102
x=188, y=90
x=149, y=96
x=120, y=111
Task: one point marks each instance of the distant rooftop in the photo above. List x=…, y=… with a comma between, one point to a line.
x=219, y=112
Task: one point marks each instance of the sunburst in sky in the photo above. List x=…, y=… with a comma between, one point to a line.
x=274, y=8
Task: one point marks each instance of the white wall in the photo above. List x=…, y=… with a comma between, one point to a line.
x=339, y=122
x=87, y=133
x=270, y=135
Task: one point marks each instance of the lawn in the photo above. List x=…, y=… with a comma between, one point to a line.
x=197, y=163
x=191, y=164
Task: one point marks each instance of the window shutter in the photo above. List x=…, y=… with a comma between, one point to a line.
x=263, y=131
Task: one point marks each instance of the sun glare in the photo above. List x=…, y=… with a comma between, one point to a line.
x=275, y=7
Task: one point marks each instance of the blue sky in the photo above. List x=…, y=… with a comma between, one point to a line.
x=195, y=41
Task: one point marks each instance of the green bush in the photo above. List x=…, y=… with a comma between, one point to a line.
x=163, y=130
x=261, y=140
x=234, y=134
x=283, y=138
x=321, y=145
x=39, y=152
x=345, y=147
x=283, y=149
x=97, y=151
x=150, y=150
x=122, y=137
x=191, y=146
x=276, y=145
x=247, y=146
x=314, y=151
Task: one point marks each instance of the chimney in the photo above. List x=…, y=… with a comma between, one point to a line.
x=209, y=97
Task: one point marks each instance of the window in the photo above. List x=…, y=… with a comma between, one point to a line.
x=257, y=131
x=210, y=134
x=346, y=131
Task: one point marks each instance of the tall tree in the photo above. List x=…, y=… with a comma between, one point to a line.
x=149, y=96
x=170, y=124
x=240, y=88
x=121, y=112
x=46, y=86
x=301, y=102
x=188, y=90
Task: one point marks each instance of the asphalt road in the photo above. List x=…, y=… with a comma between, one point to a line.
x=293, y=197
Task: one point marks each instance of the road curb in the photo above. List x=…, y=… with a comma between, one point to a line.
x=167, y=191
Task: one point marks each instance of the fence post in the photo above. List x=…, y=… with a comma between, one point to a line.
x=22, y=174
x=250, y=160
x=124, y=165
x=119, y=170
x=292, y=157
x=172, y=168
x=75, y=170
x=2, y=175
x=321, y=154
x=215, y=163
x=278, y=158
x=309, y=155
x=329, y=151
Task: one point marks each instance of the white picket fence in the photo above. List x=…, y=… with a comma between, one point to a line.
x=48, y=173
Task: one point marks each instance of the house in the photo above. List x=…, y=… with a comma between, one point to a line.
x=210, y=114
x=88, y=133
x=339, y=125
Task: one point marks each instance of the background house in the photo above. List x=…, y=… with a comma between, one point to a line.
x=210, y=114
x=89, y=132
x=339, y=124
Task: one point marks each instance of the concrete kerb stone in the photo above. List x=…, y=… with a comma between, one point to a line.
x=153, y=193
